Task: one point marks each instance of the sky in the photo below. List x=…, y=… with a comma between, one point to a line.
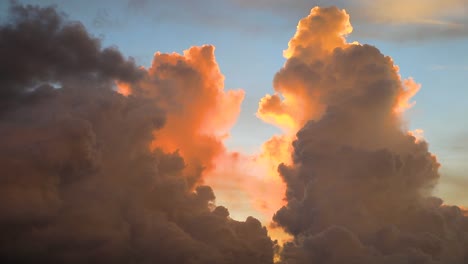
x=427, y=40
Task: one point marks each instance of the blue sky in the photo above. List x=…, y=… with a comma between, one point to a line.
x=427, y=39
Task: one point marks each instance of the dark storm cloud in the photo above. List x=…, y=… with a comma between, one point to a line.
x=38, y=45
x=358, y=190
x=78, y=181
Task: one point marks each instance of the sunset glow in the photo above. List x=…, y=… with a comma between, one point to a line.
x=208, y=146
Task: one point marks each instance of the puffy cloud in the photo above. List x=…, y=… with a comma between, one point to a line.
x=93, y=175
x=199, y=115
x=80, y=182
x=317, y=35
x=358, y=188
x=190, y=89
x=67, y=49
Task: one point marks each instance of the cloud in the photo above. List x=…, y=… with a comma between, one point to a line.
x=359, y=186
x=67, y=49
x=79, y=181
x=199, y=111
x=394, y=20
x=106, y=162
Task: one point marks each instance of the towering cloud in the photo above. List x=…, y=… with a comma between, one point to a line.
x=190, y=89
x=103, y=161
x=358, y=190
x=82, y=179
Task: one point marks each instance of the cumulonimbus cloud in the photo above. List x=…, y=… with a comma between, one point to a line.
x=190, y=89
x=105, y=162
x=80, y=182
x=358, y=190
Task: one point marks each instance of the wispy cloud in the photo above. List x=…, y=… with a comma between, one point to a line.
x=390, y=20
x=444, y=67
x=394, y=20
x=437, y=67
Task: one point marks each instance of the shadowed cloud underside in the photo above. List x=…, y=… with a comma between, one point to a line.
x=104, y=161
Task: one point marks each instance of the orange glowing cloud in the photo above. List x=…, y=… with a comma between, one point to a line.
x=418, y=134
x=245, y=184
x=251, y=184
x=464, y=210
x=199, y=114
x=410, y=88
x=315, y=79
x=304, y=87
x=190, y=89
x=294, y=102
x=123, y=88
x=326, y=34
x=296, y=99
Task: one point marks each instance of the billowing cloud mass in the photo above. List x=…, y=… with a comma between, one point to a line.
x=83, y=180
x=359, y=187
x=199, y=115
x=190, y=88
x=103, y=161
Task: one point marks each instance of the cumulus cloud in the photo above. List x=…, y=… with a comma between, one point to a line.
x=359, y=187
x=190, y=89
x=105, y=162
x=81, y=180
x=67, y=49
x=200, y=111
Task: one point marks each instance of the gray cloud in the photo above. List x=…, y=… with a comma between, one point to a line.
x=35, y=38
x=78, y=182
x=359, y=189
